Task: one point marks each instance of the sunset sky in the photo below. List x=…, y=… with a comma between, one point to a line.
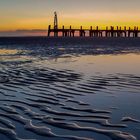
x=33, y=16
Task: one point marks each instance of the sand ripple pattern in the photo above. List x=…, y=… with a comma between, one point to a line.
x=45, y=104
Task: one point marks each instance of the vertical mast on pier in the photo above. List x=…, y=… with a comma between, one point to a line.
x=55, y=24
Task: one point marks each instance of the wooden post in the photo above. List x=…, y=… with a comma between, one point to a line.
x=49, y=28
x=112, y=31
x=84, y=33
x=120, y=31
x=137, y=31
x=125, y=28
x=90, y=32
x=125, y=32
x=70, y=31
x=97, y=28
x=80, y=32
x=101, y=33
x=129, y=32
x=63, y=32
x=91, y=28
x=106, y=32
x=55, y=33
x=66, y=34
x=116, y=32
x=73, y=32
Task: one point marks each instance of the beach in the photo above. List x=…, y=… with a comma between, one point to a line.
x=61, y=88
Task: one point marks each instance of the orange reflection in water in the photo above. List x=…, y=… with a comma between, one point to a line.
x=91, y=64
x=8, y=51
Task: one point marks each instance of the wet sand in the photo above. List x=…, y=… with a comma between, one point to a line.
x=63, y=90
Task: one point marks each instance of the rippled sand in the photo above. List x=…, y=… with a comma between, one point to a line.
x=68, y=95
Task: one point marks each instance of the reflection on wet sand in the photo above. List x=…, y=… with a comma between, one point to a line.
x=8, y=51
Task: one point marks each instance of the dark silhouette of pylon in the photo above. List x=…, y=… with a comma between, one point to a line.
x=55, y=24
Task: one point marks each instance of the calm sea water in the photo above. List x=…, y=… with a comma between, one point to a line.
x=69, y=88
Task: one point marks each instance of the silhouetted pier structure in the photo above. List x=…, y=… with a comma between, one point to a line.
x=92, y=32
x=95, y=32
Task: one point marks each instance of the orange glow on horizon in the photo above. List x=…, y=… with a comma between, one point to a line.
x=84, y=19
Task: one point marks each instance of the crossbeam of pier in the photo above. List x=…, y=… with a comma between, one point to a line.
x=95, y=32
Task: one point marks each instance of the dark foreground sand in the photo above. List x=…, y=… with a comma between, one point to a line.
x=69, y=88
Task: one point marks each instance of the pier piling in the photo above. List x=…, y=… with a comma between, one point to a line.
x=95, y=32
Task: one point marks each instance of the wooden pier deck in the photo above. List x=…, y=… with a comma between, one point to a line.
x=95, y=32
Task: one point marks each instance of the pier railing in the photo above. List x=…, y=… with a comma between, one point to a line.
x=95, y=32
